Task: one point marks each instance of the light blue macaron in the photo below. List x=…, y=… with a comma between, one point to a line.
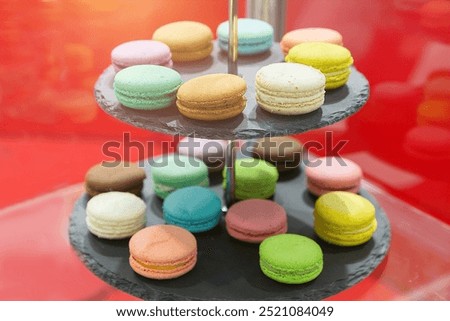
x=195, y=208
x=147, y=87
x=254, y=36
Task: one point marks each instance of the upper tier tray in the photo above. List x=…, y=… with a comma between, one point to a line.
x=254, y=122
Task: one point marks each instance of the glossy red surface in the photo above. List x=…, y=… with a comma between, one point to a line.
x=51, y=131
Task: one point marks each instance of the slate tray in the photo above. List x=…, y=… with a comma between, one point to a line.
x=228, y=269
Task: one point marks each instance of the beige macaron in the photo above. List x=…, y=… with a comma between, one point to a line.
x=115, y=215
x=289, y=89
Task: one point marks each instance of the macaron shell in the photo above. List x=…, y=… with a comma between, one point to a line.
x=327, y=174
x=254, y=220
x=163, y=251
x=295, y=37
x=290, y=258
x=141, y=52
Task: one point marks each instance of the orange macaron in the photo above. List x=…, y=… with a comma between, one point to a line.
x=163, y=252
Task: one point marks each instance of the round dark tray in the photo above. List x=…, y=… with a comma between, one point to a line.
x=253, y=122
x=228, y=269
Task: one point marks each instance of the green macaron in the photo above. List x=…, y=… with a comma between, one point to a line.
x=146, y=87
x=290, y=258
x=254, y=178
x=174, y=171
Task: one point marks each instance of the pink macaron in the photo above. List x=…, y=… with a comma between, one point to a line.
x=211, y=152
x=328, y=174
x=141, y=52
x=298, y=36
x=254, y=220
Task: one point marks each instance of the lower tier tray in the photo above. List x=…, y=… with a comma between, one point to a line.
x=226, y=268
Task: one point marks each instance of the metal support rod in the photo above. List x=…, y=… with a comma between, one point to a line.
x=272, y=11
x=232, y=69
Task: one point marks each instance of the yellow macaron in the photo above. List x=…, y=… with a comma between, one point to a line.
x=344, y=218
x=332, y=60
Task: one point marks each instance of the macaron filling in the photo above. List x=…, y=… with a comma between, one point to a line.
x=275, y=272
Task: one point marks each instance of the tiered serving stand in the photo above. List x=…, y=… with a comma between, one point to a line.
x=228, y=269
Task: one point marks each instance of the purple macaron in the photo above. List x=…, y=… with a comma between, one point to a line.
x=141, y=52
x=328, y=174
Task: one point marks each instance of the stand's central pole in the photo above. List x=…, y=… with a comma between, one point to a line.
x=232, y=69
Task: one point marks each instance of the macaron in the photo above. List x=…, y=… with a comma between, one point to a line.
x=289, y=89
x=284, y=152
x=163, y=252
x=344, y=219
x=211, y=152
x=115, y=215
x=174, y=171
x=332, y=60
x=187, y=40
x=254, y=36
x=114, y=176
x=298, y=36
x=195, y=208
x=328, y=174
x=141, y=52
x=146, y=87
x=290, y=258
x=254, y=220
x=254, y=178
x=212, y=97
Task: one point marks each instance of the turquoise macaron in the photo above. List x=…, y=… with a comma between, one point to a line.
x=195, y=208
x=254, y=178
x=254, y=36
x=147, y=87
x=174, y=171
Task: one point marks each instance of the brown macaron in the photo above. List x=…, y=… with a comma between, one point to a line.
x=285, y=152
x=114, y=176
x=212, y=97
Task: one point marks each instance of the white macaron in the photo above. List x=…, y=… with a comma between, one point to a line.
x=289, y=89
x=115, y=215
